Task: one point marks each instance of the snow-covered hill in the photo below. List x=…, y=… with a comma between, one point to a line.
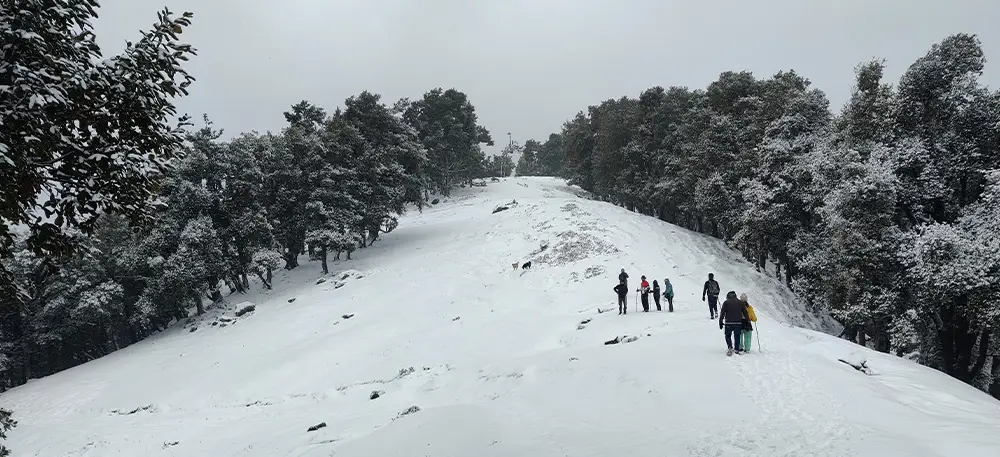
x=472, y=358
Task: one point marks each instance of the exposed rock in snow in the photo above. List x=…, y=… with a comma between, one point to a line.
x=858, y=362
x=245, y=308
x=409, y=411
x=316, y=427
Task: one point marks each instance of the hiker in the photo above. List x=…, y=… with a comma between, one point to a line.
x=622, y=290
x=623, y=277
x=712, y=291
x=745, y=341
x=644, y=289
x=731, y=319
x=656, y=295
x=668, y=293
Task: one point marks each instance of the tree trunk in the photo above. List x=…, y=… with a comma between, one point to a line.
x=984, y=346
x=762, y=256
x=789, y=272
x=850, y=333
x=995, y=387
x=199, y=305
x=958, y=341
x=291, y=260
x=265, y=281
x=237, y=282
x=322, y=256
x=777, y=270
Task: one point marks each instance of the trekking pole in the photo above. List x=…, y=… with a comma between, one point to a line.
x=758, y=337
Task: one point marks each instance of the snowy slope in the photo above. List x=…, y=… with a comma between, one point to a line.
x=500, y=363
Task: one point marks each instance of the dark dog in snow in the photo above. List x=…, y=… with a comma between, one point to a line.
x=526, y=265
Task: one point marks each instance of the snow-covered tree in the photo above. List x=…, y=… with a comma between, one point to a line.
x=447, y=125
x=853, y=208
x=81, y=134
x=550, y=157
x=263, y=265
x=528, y=162
x=868, y=117
x=952, y=276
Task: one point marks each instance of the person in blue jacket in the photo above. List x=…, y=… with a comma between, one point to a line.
x=668, y=293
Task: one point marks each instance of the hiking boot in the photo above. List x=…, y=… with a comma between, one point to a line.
x=729, y=352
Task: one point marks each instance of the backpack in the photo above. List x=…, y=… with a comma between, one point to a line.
x=750, y=313
x=713, y=288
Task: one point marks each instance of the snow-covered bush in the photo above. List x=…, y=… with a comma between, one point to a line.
x=7, y=422
x=264, y=263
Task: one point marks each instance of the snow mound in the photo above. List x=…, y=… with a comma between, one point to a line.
x=433, y=345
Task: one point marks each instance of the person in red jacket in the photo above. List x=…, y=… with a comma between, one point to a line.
x=644, y=289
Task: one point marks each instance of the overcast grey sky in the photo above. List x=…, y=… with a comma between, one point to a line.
x=528, y=65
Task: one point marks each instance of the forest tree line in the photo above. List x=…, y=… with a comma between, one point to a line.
x=116, y=223
x=230, y=211
x=886, y=215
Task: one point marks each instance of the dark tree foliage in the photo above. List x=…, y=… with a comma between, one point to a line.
x=7, y=422
x=879, y=216
x=447, y=126
x=87, y=135
x=117, y=224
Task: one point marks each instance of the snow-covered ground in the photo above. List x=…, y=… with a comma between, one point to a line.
x=497, y=360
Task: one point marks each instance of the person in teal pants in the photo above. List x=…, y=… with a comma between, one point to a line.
x=747, y=334
x=668, y=293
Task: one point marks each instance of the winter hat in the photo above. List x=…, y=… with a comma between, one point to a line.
x=731, y=294
x=711, y=275
x=743, y=296
x=643, y=276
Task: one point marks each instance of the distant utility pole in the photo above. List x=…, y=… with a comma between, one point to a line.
x=508, y=151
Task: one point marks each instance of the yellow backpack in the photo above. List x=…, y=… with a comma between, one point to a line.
x=750, y=313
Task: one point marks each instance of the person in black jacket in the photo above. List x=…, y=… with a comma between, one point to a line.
x=656, y=295
x=731, y=319
x=711, y=290
x=622, y=290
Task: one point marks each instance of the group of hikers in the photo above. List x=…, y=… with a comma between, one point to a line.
x=736, y=317
x=644, y=289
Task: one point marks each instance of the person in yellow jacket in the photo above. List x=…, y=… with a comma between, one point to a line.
x=747, y=333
